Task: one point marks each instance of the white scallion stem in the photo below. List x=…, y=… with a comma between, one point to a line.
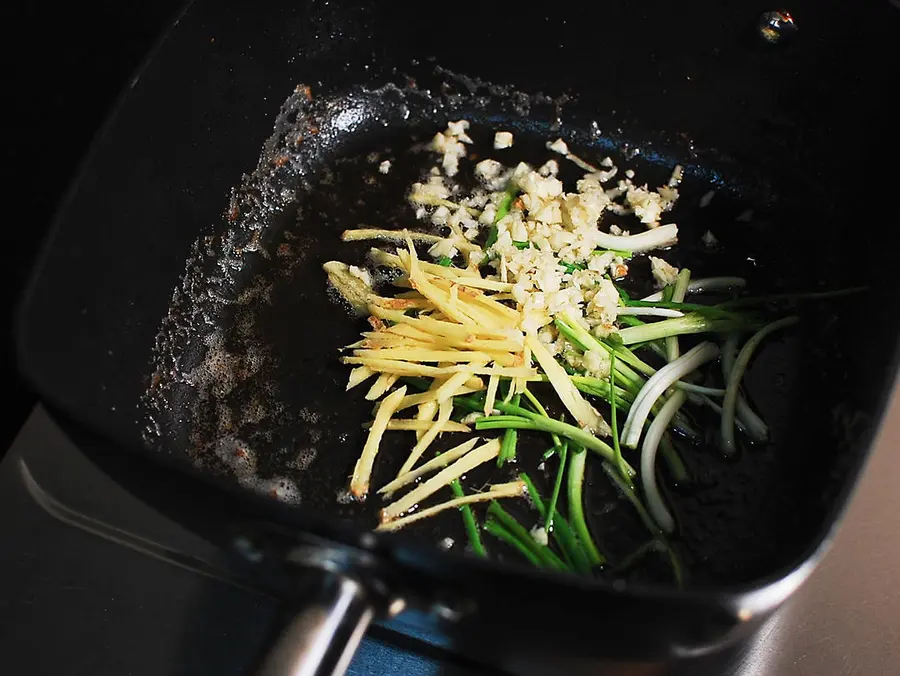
x=747, y=419
x=649, y=311
x=663, y=236
x=756, y=429
x=655, y=432
x=661, y=381
x=716, y=284
x=729, y=352
x=737, y=373
x=690, y=323
x=704, y=285
x=700, y=389
x=673, y=351
x=754, y=426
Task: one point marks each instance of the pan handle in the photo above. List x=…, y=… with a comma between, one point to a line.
x=322, y=636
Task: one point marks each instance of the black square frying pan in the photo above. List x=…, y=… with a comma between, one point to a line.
x=179, y=306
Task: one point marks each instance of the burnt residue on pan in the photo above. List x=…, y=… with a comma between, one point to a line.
x=245, y=370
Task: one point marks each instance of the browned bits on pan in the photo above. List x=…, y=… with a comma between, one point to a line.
x=313, y=129
x=155, y=380
x=281, y=160
x=298, y=140
x=233, y=213
x=305, y=90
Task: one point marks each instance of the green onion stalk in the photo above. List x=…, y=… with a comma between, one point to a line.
x=576, y=507
x=562, y=532
x=646, y=519
x=469, y=520
x=503, y=208
x=504, y=535
x=523, y=419
x=691, y=323
x=678, y=294
x=554, y=496
x=544, y=553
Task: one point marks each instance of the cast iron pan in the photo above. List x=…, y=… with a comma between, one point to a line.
x=240, y=386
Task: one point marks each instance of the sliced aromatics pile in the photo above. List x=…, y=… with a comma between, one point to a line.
x=517, y=283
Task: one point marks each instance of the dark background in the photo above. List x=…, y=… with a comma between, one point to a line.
x=64, y=67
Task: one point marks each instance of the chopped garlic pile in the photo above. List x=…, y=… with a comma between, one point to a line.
x=549, y=242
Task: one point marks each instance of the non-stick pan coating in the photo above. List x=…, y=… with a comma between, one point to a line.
x=810, y=117
x=246, y=377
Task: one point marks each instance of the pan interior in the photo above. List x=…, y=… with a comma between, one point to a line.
x=246, y=372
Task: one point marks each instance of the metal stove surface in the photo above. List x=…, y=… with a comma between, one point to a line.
x=92, y=581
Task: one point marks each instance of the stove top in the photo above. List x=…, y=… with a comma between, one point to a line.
x=94, y=581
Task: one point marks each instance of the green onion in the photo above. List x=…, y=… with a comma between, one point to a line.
x=576, y=509
x=521, y=245
x=690, y=323
x=653, y=545
x=629, y=357
x=469, y=520
x=711, y=311
x=630, y=495
x=572, y=267
x=504, y=535
x=562, y=531
x=655, y=501
x=469, y=403
x=600, y=389
x=578, y=336
x=630, y=320
x=538, y=407
x=421, y=384
x=617, y=252
x=673, y=460
x=445, y=261
x=510, y=440
x=623, y=294
x=737, y=372
x=547, y=557
x=656, y=387
x=554, y=496
x=503, y=208
x=678, y=294
x=620, y=461
x=523, y=419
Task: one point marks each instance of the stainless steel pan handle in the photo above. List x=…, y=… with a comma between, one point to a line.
x=322, y=637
